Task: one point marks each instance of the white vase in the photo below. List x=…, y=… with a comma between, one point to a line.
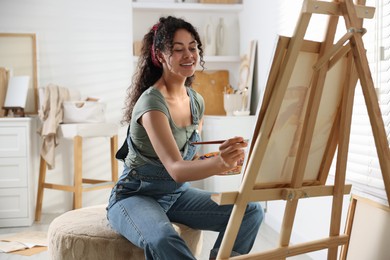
x=209, y=38
x=220, y=37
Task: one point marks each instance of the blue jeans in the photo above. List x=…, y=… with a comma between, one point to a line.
x=144, y=222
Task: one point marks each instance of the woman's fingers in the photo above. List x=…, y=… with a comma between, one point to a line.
x=232, y=150
x=232, y=141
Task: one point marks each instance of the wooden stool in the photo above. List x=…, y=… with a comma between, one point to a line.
x=77, y=132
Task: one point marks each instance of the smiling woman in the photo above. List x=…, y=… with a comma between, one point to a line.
x=165, y=117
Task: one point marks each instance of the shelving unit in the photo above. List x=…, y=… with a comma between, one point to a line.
x=145, y=14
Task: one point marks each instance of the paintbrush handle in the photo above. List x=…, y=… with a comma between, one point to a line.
x=213, y=142
x=209, y=142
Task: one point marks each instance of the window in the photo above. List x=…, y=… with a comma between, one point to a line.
x=363, y=169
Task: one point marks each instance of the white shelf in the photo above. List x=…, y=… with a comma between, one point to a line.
x=158, y=6
x=232, y=59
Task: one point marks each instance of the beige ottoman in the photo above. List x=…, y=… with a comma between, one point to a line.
x=86, y=234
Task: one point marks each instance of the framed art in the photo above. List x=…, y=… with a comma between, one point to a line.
x=367, y=220
x=18, y=57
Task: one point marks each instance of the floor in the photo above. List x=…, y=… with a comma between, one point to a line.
x=266, y=240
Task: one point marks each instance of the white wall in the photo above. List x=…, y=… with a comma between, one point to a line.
x=264, y=21
x=84, y=45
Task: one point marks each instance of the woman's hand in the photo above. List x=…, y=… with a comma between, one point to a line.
x=232, y=151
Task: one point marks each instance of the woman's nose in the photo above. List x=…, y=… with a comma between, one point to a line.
x=187, y=53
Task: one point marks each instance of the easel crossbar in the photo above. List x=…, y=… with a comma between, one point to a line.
x=334, y=8
x=293, y=250
x=227, y=198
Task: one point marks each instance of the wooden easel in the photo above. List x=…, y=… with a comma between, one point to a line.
x=317, y=116
x=14, y=111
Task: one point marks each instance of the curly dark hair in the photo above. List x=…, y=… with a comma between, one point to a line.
x=147, y=73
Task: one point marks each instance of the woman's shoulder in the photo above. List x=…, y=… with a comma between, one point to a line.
x=151, y=95
x=151, y=92
x=151, y=99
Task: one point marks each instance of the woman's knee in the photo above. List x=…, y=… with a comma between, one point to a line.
x=255, y=213
x=163, y=235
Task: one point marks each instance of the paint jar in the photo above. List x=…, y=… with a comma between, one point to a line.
x=231, y=103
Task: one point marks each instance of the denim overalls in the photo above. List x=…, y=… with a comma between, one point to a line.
x=152, y=179
x=145, y=219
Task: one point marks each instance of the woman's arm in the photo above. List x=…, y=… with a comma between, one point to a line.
x=157, y=127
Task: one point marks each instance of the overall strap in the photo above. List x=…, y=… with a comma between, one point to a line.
x=124, y=150
x=194, y=108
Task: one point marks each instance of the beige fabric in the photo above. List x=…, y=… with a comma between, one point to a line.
x=86, y=234
x=51, y=114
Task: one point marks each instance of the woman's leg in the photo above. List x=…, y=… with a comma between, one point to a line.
x=195, y=209
x=143, y=222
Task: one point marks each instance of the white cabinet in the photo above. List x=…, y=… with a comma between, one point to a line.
x=17, y=156
x=223, y=127
x=146, y=14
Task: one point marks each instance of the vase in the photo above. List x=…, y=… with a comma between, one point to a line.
x=209, y=38
x=220, y=37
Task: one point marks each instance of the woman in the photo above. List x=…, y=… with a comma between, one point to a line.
x=165, y=116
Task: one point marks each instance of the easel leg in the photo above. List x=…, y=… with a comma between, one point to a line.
x=342, y=155
x=78, y=167
x=41, y=183
x=373, y=109
x=232, y=228
x=114, y=162
x=288, y=221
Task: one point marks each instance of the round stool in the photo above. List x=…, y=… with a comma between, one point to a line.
x=86, y=234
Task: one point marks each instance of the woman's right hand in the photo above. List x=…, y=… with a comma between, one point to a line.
x=232, y=151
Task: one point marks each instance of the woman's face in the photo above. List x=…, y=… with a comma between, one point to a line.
x=184, y=57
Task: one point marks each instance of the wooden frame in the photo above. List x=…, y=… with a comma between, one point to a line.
x=304, y=117
x=18, y=54
x=367, y=220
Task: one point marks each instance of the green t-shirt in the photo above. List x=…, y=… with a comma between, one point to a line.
x=152, y=99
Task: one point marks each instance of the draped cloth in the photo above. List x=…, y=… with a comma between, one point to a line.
x=51, y=114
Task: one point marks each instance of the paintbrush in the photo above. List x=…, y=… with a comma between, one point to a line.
x=215, y=142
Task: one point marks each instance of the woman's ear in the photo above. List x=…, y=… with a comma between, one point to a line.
x=160, y=57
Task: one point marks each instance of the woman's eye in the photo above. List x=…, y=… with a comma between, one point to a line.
x=178, y=50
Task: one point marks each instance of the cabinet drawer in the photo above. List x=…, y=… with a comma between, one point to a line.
x=13, y=172
x=13, y=203
x=13, y=141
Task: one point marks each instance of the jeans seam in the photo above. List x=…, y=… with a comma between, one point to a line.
x=129, y=220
